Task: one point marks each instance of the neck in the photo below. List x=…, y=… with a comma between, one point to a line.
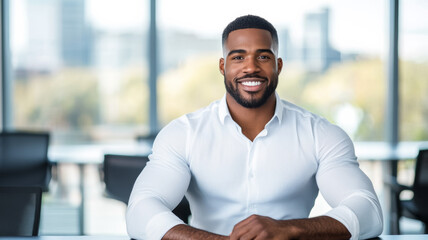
x=251, y=120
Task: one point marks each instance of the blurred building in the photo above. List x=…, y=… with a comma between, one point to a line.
x=318, y=54
x=286, y=48
x=40, y=52
x=76, y=35
x=177, y=46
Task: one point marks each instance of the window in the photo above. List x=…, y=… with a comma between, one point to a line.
x=413, y=70
x=79, y=68
x=334, y=57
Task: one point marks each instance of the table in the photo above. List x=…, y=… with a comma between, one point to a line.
x=68, y=238
x=382, y=151
x=383, y=237
x=94, y=153
x=84, y=155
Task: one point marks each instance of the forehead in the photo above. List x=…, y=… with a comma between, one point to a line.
x=249, y=38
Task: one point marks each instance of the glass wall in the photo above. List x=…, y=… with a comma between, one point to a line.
x=79, y=68
x=413, y=70
x=333, y=55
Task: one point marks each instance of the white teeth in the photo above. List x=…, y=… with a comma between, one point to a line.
x=251, y=83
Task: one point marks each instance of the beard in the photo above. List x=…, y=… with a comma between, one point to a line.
x=253, y=101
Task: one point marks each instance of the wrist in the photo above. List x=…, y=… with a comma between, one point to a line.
x=293, y=228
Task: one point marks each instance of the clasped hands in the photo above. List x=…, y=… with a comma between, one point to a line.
x=257, y=227
x=260, y=228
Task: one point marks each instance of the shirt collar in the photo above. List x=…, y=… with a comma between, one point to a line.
x=223, y=110
x=278, y=108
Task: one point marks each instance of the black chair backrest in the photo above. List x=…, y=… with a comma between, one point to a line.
x=421, y=169
x=24, y=159
x=20, y=211
x=23, y=150
x=420, y=184
x=120, y=173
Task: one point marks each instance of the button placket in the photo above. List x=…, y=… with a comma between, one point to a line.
x=252, y=187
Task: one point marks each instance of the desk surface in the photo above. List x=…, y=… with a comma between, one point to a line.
x=94, y=154
x=68, y=238
x=384, y=237
x=381, y=151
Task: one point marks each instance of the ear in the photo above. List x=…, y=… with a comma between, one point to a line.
x=280, y=64
x=221, y=66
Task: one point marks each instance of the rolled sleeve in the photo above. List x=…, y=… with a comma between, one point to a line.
x=160, y=224
x=348, y=218
x=361, y=214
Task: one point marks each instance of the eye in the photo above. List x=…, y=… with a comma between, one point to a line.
x=264, y=57
x=237, y=58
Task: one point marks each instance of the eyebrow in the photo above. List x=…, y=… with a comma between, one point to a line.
x=236, y=51
x=265, y=50
x=244, y=51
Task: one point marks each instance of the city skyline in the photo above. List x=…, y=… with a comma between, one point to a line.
x=76, y=42
x=27, y=40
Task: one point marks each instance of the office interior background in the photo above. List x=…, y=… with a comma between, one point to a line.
x=104, y=72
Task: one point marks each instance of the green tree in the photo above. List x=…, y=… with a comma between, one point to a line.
x=193, y=85
x=413, y=101
x=67, y=99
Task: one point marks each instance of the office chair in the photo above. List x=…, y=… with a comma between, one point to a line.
x=24, y=159
x=417, y=207
x=120, y=173
x=20, y=211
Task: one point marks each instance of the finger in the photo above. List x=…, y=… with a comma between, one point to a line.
x=247, y=221
x=238, y=232
x=246, y=229
x=251, y=234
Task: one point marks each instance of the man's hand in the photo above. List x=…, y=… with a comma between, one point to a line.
x=264, y=228
x=260, y=227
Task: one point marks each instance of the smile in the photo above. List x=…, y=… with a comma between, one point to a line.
x=251, y=83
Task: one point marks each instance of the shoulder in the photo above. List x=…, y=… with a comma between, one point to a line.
x=204, y=115
x=189, y=120
x=177, y=135
x=290, y=110
x=326, y=136
x=305, y=119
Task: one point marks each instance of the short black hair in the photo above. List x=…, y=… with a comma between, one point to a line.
x=250, y=21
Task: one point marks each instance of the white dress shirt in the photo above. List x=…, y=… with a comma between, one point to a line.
x=226, y=177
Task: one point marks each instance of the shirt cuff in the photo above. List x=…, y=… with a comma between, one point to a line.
x=160, y=224
x=348, y=218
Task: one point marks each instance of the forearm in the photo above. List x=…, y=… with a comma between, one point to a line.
x=185, y=232
x=266, y=228
x=319, y=228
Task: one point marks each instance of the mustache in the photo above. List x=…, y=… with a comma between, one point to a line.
x=251, y=76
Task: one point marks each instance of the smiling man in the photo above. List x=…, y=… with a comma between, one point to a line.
x=252, y=164
x=244, y=45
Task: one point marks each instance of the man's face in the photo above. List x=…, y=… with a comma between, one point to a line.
x=250, y=66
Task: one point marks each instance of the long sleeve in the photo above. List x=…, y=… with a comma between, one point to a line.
x=160, y=187
x=345, y=186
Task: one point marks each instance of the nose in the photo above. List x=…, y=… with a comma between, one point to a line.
x=251, y=65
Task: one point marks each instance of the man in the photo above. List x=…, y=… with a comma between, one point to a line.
x=251, y=164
